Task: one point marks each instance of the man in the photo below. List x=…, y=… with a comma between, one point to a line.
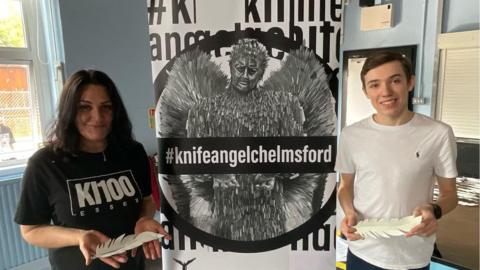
x=6, y=136
x=388, y=164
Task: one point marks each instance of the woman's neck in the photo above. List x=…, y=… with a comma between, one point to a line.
x=93, y=147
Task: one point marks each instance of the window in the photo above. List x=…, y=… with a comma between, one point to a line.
x=27, y=78
x=458, y=94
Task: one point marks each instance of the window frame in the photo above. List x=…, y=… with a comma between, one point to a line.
x=41, y=55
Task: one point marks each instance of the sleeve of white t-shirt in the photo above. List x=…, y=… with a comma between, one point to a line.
x=446, y=160
x=344, y=160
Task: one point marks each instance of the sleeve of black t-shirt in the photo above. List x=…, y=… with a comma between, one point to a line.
x=33, y=207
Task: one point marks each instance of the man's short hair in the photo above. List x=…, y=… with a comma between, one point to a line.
x=384, y=57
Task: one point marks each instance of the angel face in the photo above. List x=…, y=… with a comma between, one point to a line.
x=246, y=73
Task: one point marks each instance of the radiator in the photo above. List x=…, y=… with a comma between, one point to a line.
x=14, y=251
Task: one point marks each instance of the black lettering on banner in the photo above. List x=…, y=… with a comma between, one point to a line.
x=247, y=155
x=326, y=238
x=178, y=6
x=301, y=13
x=279, y=54
x=334, y=7
x=168, y=45
x=268, y=11
x=280, y=11
x=168, y=40
x=168, y=244
x=104, y=192
x=155, y=47
x=312, y=37
x=326, y=29
x=296, y=34
x=154, y=9
x=311, y=10
x=197, y=36
x=322, y=10
x=251, y=9
x=320, y=239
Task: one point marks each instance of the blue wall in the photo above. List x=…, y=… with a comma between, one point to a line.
x=460, y=16
x=112, y=35
x=411, y=27
x=409, y=23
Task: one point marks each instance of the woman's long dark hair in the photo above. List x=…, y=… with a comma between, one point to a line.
x=64, y=135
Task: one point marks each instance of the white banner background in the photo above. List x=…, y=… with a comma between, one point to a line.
x=320, y=31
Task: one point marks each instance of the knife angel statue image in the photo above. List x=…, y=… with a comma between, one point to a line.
x=200, y=101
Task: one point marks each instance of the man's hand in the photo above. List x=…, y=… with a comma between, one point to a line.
x=347, y=227
x=88, y=243
x=428, y=226
x=152, y=249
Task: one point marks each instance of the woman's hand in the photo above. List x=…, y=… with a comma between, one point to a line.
x=88, y=243
x=152, y=249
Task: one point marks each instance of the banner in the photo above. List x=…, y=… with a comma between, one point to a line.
x=246, y=126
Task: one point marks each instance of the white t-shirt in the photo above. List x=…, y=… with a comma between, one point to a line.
x=395, y=168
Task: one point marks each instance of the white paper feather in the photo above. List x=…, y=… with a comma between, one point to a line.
x=124, y=243
x=385, y=228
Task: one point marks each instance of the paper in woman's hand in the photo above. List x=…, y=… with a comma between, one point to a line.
x=124, y=243
x=386, y=228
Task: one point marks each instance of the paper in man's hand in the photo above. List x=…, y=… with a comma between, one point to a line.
x=386, y=228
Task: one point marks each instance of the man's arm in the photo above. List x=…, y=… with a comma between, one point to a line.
x=345, y=197
x=447, y=200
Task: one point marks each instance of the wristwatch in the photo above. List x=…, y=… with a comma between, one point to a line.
x=437, y=210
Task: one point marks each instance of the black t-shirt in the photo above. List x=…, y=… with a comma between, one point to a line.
x=100, y=191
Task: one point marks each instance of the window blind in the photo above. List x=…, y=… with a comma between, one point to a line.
x=458, y=95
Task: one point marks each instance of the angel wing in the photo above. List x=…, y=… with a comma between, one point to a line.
x=193, y=77
x=385, y=228
x=302, y=75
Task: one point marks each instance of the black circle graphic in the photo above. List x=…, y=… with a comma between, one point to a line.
x=223, y=39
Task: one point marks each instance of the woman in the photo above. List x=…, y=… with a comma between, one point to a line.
x=90, y=183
